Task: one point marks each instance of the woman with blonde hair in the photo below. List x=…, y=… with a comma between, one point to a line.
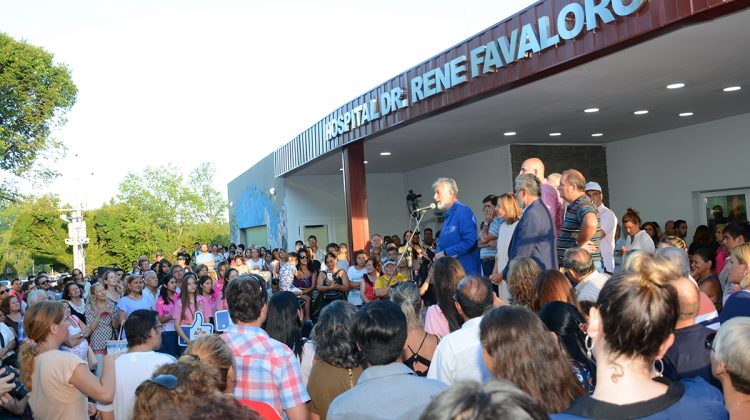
x=508, y=210
x=522, y=272
x=738, y=304
x=175, y=384
x=59, y=382
x=420, y=345
x=214, y=351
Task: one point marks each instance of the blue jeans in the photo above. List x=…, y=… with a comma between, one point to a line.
x=169, y=344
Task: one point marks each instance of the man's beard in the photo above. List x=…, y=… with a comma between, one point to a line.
x=441, y=205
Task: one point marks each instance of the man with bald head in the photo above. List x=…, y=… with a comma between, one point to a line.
x=688, y=356
x=458, y=356
x=550, y=196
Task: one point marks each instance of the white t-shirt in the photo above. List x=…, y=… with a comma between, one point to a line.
x=255, y=265
x=355, y=298
x=504, y=234
x=458, y=356
x=641, y=241
x=608, y=221
x=131, y=369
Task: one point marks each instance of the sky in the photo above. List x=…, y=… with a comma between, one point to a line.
x=177, y=83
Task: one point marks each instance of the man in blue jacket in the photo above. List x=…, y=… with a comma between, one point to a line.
x=458, y=236
x=535, y=233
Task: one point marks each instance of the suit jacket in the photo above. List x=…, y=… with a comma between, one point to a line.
x=534, y=237
x=458, y=237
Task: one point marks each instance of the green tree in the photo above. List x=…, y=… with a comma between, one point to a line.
x=211, y=206
x=38, y=231
x=35, y=94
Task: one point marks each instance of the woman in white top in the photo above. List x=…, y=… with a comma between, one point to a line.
x=637, y=238
x=255, y=263
x=355, y=274
x=508, y=210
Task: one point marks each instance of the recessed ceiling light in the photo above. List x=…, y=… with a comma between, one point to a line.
x=675, y=86
x=597, y=134
x=732, y=88
x=641, y=112
x=509, y=133
x=365, y=162
x=555, y=134
x=685, y=114
x=590, y=110
x=385, y=153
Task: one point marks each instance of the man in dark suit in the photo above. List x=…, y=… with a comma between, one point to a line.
x=535, y=234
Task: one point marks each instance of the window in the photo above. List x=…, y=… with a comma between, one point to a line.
x=720, y=207
x=257, y=236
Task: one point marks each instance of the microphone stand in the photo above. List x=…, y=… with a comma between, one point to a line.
x=406, y=246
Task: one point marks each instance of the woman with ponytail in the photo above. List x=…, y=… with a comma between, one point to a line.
x=58, y=382
x=630, y=329
x=420, y=345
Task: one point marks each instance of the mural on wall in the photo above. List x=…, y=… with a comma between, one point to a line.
x=257, y=207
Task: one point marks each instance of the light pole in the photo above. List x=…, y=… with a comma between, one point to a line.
x=77, y=237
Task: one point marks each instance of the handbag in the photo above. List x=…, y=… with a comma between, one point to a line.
x=117, y=346
x=92, y=360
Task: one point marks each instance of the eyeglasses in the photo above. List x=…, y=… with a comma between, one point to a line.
x=709, y=344
x=43, y=282
x=303, y=257
x=2, y=292
x=160, y=326
x=165, y=381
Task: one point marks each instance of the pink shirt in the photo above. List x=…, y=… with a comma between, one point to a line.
x=209, y=305
x=164, y=309
x=435, y=322
x=551, y=199
x=189, y=312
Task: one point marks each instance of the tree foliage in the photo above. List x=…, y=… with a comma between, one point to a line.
x=157, y=210
x=35, y=94
x=38, y=231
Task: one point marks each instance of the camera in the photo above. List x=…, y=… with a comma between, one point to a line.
x=20, y=391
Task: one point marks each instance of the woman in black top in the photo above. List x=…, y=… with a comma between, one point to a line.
x=420, y=345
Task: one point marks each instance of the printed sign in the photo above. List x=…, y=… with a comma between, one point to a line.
x=198, y=329
x=222, y=320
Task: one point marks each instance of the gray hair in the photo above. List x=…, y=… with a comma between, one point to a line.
x=406, y=295
x=35, y=296
x=730, y=347
x=579, y=260
x=678, y=257
x=148, y=273
x=449, y=183
x=530, y=183
x=496, y=399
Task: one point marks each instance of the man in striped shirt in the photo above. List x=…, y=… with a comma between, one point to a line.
x=581, y=225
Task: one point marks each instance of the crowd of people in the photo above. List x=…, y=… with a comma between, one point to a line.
x=550, y=306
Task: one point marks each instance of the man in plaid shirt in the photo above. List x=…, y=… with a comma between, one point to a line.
x=267, y=370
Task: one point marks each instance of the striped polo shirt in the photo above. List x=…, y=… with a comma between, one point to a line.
x=572, y=226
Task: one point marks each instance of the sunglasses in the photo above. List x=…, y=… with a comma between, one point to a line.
x=2, y=292
x=165, y=381
x=303, y=258
x=709, y=344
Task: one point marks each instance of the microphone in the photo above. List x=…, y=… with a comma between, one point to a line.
x=430, y=207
